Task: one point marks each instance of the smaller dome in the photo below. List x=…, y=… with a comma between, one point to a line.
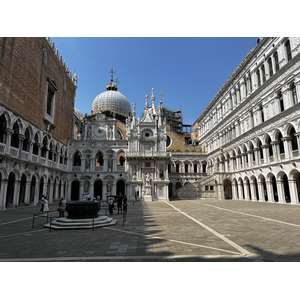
x=78, y=113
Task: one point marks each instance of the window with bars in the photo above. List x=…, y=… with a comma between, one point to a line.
x=288, y=50
x=276, y=61
x=270, y=66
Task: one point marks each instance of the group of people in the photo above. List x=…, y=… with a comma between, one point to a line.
x=121, y=203
x=61, y=206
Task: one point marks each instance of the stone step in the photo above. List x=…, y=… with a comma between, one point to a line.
x=65, y=223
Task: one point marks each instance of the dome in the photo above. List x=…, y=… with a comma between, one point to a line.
x=78, y=113
x=112, y=100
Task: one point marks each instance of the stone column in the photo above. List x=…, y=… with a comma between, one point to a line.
x=27, y=192
x=253, y=191
x=50, y=192
x=240, y=189
x=270, y=191
x=246, y=191
x=287, y=141
x=234, y=190
x=275, y=147
x=293, y=191
x=280, y=189
x=16, y=192
x=261, y=195
x=3, y=192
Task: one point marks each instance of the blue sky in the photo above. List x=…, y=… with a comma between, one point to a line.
x=189, y=71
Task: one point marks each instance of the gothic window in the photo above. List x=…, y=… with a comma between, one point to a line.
x=281, y=101
x=77, y=159
x=195, y=168
x=121, y=159
x=258, y=78
x=281, y=145
x=15, y=136
x=50, y=101
x=3, y=127
x=44, y=148
x=288, y=50
x=50, y=154
x=294, y=93
x=268, y=142
x=35, y=149
x=177, y=168
x=61, y=156
x=276, y=61
x=26, y=140
x=99, y=159
x=294, y=139
x=186, y=168
x=263, y=73
x=262, y=114
x=270, y=66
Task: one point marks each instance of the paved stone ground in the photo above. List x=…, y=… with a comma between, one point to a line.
x=186, y=230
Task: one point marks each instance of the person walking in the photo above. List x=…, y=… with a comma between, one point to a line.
x=119, y=203
x=42, y=204
x=62, y=207
x=46, y=206
x=125, y=205
x=110, y=204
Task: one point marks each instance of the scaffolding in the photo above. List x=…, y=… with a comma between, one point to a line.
x=173, y=119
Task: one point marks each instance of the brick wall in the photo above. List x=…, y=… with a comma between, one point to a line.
x=23, y=84
x=178, y=142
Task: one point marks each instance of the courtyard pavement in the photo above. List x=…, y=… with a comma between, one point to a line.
x=183, y=230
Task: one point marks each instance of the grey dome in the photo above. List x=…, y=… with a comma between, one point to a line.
x=112, y=101
x=78, y=113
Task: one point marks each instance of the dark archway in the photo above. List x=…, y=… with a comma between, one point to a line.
x=41, y=188
x=22, y=189
x=177, y=185
x=274, y=185
x=170, y=189
x=227, y=189
x=75, y=190
x=32, y=189
x=10, y=189
x=120, y=187
x=286, y=189
x=98, y=189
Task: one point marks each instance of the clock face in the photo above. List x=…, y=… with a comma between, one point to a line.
x=99, y=132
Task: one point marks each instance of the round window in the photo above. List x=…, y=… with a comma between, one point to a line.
x=168, y=141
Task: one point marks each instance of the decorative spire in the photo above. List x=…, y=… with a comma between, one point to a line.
x=152, y=96
x=147, y=104
x=153, y=102
x=133, y=110
x=111, y=72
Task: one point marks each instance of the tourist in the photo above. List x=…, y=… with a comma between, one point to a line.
x=110, y=204
x=46, y=207
x=88, y=197
x=119, y=203
x=98, y=198
x=62, y=207
x=124, y=204
x=42, y=204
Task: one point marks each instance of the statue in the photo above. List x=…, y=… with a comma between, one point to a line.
x=147, y=179
x=110, y=133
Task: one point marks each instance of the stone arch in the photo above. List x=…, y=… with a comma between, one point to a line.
x=120, y=187
x=99, y=159
x=98, y=188
x=3, y=127
x=285, y=189
x=227, y=189
x=75, y=190
x=294, y=177
x=76, y=158
x=121, y=158
x=264, y=192
x=22, y=189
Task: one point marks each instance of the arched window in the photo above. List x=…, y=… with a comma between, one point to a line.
x=3, y=127
x=275, y=55
x=26, y=140
x=121, y=159
x=268, y=142
x=15, y=136
x=50, y=154
x=263, y=71
x=294, y=139
x=281, y=101
x=44, y=148
x=294, y=93
x=270, y=66
x=288, y=50
x=258, y=78
x=35, y=149
x=281, y=145
x=99, y=159
x=77, y=159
